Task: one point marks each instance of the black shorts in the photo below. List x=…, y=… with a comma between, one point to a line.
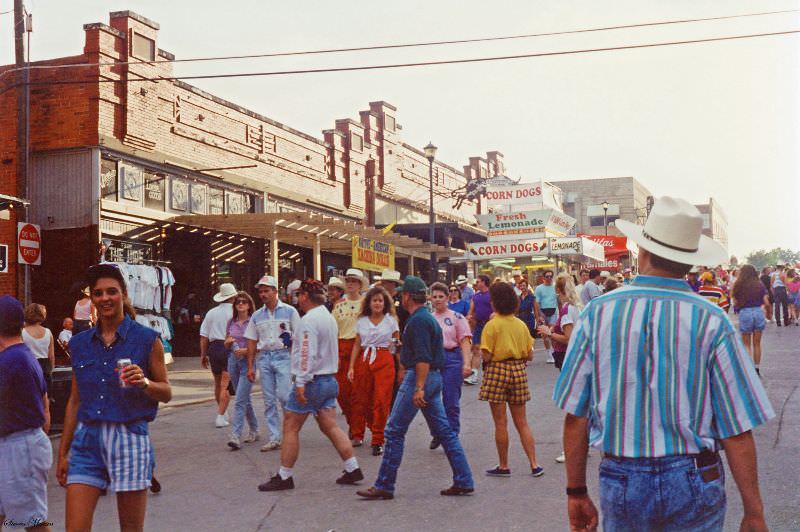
x=217, y=357
x=559, y=358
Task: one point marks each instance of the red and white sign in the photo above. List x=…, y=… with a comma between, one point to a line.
x=614, y=246
x=504, y=250
x=29, y=244
x=525, y=194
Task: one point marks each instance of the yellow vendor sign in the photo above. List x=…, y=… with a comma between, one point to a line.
x=372, y=255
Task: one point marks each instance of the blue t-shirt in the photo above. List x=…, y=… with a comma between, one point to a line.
x=21, y=389
x=422, y=341
x=546, y=296
x=462, y=307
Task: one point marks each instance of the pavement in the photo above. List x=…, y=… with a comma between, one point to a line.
x=207, y=487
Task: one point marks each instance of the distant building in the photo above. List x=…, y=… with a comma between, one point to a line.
x=715, y=223
x=583, y=200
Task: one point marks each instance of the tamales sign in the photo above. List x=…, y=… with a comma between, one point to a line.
x=372, y=255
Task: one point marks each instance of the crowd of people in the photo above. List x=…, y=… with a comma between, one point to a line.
x=651, y=371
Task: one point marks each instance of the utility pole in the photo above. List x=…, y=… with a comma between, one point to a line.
x=23, y=134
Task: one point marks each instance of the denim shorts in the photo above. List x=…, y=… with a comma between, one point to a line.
x=320, y=394
x=25, y=460
x=751, y=319
x=111, y=456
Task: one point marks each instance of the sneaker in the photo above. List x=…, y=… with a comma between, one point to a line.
x=456, y=490
x=560, y=459
x=351, y=478
x=271, y=446
x=550, y=359
x=357, y=442
x=234, y=443
x=498, y=472
x=252, y=436
x=221, y=421
x=276, y=483
x=377, y=450
x=435, y=443
x=472, y=380
x=537, y=471
x=374, y=494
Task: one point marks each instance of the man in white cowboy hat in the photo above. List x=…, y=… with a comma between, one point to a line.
x=657, y=378
x=213, y=354
x=269, y=340
x=390, y=280
x=466, y=290
x=346, y=313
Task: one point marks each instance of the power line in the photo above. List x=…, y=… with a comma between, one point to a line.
x=409, y=45
x=407, y=65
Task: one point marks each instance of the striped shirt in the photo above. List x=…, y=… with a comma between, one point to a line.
x=659, y=371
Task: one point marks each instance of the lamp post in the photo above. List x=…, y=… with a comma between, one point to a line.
x=605, y=216
x=430, y=154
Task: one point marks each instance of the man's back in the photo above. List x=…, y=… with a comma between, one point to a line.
x=661, y=370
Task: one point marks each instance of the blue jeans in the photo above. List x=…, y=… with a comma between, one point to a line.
x=243, y=406
x=276, y=381
x=403, y=413
x=666, y=493
x=452, y=379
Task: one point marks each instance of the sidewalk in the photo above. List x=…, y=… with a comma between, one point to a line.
x=191, y=383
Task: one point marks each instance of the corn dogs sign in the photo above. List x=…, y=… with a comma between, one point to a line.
x=501, y=250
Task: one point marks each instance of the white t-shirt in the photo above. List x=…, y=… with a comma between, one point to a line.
x=379, y=335
x=571, y=317
x=315, y=349
x=215, y=324
x=40, y=347
x=65, y=336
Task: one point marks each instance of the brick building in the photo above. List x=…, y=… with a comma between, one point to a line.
x=117, y=159
x=715, y=223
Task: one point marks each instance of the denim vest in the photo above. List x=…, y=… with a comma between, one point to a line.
x=94, y=366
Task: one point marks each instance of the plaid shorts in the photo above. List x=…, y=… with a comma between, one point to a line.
x=505, y=382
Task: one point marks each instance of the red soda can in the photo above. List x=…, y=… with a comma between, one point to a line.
x=123, y=363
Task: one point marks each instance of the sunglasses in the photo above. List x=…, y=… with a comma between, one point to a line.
x=548, y=276
x=242, y=302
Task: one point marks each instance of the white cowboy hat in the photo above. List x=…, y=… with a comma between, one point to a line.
x=336, y=283
x=393, y=276
x=355, y=273
x=674, y=231
x=461, y=279
x=226, y=291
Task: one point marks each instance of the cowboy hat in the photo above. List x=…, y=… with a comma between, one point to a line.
x=355, y=273
x=461, y=279
x=335, y=282
x=226, y=291
x=674, y=231
x=393, y=276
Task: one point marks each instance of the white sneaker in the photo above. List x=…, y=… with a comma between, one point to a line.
x=561, y=458
x=271, y=446
x=221, y=421
x=551, y=360
x=252, y=436
x=472, y=379
x=234, y=443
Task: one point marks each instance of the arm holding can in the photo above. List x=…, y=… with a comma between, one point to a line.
x=156, y=386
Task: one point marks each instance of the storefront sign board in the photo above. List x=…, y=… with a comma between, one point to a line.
x=577, y=246
x=154, y=191
x=508, y=249
x=372, y=255
x=525, y=224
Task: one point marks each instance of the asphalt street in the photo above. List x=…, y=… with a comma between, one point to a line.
x=207, y=487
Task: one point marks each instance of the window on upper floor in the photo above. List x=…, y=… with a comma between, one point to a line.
x=388, y=122
x=143, y=47
x=356, y=142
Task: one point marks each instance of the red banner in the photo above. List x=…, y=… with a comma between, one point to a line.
x=614, y=246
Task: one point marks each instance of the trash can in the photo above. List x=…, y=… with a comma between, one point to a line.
x=60, y=390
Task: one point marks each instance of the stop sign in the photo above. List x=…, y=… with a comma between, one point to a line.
x=29, y=244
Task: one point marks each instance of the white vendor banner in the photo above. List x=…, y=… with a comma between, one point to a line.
x=559, y=224
x=577, y=246
x=504, y=250
x=525, y=224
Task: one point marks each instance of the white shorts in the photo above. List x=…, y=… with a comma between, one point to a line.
x=25, y=460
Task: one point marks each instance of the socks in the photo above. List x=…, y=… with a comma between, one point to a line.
x=350, y=465
x=285, y=472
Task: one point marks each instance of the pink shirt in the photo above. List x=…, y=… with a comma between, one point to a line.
x=454, y=328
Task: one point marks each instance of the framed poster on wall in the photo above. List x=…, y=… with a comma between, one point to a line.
x=132, y=180
x=198, y=198
x=154, y=191
x=108, y=179
x=234, y=203
x=179, y=195
x=216, y=201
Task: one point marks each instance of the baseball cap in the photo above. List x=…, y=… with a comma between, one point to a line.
x=12, y=315
x=413, y=285
x=267, y=280
x=707, y=276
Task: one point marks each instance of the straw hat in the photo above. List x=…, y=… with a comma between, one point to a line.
x=393, y=276
x=226, y=291
x=335, y=282
x=674, y=231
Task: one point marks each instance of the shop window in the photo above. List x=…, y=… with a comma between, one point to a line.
x=143, y=48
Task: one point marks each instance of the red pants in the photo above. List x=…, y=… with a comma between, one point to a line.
x=345, y=387
x=373, y=385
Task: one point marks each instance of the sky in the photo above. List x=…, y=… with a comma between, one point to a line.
x=704, y=120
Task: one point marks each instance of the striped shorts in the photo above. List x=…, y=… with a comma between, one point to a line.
x=505, y=382
x=111, y=456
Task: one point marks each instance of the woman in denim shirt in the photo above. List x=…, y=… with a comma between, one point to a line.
x=236, y=344
x=105, y=443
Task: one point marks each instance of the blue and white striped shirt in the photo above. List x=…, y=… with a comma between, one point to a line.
x=659, y=371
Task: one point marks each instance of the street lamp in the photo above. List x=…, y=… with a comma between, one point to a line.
x=605, y=216
x=430, y=154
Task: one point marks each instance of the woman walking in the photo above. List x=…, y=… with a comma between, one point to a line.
x=748, y=297
x=454, y=301
x=457, y=339
x=236, y=344
x=526, y=303
x=372, y=367
x=793, y=291
x=560, y=332
x=118, y=380
x=506, y=345
x=40, y=341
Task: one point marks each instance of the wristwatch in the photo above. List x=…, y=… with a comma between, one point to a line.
x=146, y=383
x=580, y=490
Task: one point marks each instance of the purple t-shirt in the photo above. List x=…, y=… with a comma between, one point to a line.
x=754, y=301
x=236, y=330
x=483, y=308
x=21, y=389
